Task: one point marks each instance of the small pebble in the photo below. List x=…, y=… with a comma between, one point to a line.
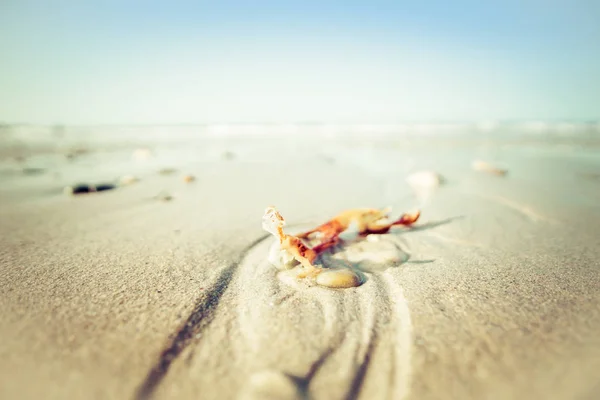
x=228, y=155
x=86, y=188
x=163, y=196
x=75, y=152
x=141, y=154
x=339, y=278
x=167, y=171
x=104, y=186
x=128, y=180
x=189, y=178
x=483, y=166
x=78, y=189
x=33, y=171
x=425, y=180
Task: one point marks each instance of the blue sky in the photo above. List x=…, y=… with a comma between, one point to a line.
x=87, y=62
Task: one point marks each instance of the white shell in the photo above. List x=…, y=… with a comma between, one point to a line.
x=424, y=180
x=281, y=259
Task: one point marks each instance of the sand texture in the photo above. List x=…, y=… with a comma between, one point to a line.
x=162, y=288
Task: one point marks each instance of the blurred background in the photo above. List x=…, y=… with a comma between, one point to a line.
x=191, y=82
x=87, y=62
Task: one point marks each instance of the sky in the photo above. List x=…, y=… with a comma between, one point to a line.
x=180, y=62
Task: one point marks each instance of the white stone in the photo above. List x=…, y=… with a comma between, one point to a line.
x=339, y=278
x=424, y=180
x=280, y=258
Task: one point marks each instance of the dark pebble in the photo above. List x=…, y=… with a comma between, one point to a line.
x=86, y=188
x=33, y=171
x=167, y=171
x=78, y=189
x=104, y=186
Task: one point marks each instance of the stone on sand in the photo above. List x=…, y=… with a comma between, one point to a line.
x=424, y=180
x=339, y=278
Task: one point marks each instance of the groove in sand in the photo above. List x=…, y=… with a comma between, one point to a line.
x=356, y=337
x=197, y=321
x=328, y=343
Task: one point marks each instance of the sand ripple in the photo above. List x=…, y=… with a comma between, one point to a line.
x=331, y=343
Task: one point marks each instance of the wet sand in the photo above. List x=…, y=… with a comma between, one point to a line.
x=118, y=294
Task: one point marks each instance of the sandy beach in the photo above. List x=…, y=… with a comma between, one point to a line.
x=121, y=294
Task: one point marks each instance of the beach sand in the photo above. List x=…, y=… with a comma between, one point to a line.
x=119, y=294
